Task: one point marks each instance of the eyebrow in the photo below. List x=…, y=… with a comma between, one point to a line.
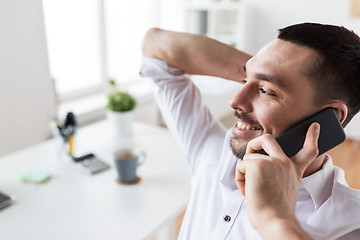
x=269, y=78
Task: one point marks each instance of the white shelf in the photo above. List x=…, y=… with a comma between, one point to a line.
x=222, y=20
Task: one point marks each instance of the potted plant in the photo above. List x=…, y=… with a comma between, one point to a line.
x=120, y=108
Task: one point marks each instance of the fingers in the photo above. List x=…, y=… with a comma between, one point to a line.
x=251, y=165
x=256, y=171
x=268, y=143
x=240, y=176
x=310, y=148
x=241, y=170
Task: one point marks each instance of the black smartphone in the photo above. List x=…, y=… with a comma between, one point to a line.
x=331, y=133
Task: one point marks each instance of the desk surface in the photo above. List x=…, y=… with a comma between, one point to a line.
x=73, y=205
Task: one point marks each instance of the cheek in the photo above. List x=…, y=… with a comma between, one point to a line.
x=274, y=120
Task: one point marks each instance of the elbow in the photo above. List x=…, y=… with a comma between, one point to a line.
x=149, y=45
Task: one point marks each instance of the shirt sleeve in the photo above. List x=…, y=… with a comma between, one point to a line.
x=181, y=106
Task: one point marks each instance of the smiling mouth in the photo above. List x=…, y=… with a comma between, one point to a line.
x=245, y=126
x=244, y=121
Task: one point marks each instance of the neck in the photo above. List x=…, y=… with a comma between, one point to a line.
x=315, y=165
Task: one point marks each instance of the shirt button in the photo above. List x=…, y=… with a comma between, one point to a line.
x=227, y=218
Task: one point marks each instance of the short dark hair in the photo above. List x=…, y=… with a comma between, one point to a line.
x=335, y=74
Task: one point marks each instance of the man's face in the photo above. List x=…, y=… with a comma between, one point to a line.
x=276, y=93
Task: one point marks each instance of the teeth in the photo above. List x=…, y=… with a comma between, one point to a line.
x=244, y=126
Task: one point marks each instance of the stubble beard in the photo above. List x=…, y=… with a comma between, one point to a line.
x=237, y=148
x=238, y=144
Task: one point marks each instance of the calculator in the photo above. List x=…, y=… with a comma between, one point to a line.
x=90, y=164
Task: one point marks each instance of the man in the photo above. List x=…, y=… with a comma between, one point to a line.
x=308, y=68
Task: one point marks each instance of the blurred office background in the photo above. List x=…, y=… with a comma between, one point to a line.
x=56, y=56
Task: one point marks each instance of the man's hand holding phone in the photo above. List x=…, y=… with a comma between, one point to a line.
x=271, y=183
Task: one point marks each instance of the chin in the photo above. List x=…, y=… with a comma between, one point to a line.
x=238, y=149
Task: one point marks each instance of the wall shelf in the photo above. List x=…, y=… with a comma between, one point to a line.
x=222, y=20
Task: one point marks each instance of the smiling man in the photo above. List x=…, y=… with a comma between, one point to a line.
x=271, y=93
x=309, y=67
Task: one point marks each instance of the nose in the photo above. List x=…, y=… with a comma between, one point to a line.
x=242, y=100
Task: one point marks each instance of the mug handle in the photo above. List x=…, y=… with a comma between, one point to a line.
x=142, y=157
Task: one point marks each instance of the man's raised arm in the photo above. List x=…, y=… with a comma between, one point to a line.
x=195, y=54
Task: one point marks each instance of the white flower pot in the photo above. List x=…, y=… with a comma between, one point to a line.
x=121, y=122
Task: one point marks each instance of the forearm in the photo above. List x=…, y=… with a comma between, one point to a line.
x=279, y=229
x=275, y=223
x=195, y=54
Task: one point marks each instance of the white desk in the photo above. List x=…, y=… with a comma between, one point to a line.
x=73, y=205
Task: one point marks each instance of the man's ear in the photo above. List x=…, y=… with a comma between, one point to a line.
x=340, y=108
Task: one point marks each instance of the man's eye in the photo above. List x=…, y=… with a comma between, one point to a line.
x=269, y=93
x=262, y=90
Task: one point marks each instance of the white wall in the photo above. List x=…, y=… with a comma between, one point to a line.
x=27, y=99
x=265, y=17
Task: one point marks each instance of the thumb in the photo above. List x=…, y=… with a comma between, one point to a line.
x=309, y=151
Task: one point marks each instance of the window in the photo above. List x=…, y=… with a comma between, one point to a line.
x=126, y=23
x=90, y=41
x=74, y=46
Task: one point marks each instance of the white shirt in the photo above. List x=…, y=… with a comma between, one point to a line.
x=327, y=208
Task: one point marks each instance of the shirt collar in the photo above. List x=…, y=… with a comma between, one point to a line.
x=319, y=185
